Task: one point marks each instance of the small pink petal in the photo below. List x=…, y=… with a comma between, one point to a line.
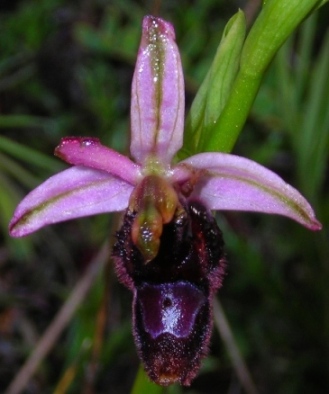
x=89, y=152
x=235, y=183
x=157, y=106
x=73, y=193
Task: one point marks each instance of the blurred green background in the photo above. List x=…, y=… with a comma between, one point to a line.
x=66, y=69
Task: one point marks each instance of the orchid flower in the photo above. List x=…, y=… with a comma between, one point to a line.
x=103, y=180
x=156, y=193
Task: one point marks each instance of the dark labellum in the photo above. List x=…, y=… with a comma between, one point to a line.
x=173, y=293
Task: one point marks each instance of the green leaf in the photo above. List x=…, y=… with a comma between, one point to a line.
x=29, y=155
x=313, y=133
x=322, y=3
x=8, y=121
x=17, y=171
x=274, y=24
x=216, y=87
